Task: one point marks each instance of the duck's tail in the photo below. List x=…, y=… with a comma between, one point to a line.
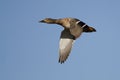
x=89, y=29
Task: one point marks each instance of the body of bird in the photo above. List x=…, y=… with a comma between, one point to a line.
x=73, y=28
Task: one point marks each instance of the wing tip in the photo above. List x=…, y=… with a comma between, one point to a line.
x=61, y=62
x=62, y=59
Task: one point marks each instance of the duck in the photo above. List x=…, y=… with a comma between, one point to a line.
x=73, y=28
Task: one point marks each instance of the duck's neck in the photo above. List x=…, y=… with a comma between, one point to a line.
x=52, y=21
x=58, y=21
x=55, y=21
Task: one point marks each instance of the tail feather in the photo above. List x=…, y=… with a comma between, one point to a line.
x=89, y=29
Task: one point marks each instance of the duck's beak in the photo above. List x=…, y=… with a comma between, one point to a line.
x=42, y=21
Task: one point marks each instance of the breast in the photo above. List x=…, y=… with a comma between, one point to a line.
x=76, y=31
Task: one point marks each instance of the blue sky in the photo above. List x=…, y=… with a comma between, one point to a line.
x=29, y=50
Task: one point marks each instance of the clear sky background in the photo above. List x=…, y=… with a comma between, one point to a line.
x=29, y=50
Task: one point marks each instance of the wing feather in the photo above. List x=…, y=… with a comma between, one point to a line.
x=66, y=42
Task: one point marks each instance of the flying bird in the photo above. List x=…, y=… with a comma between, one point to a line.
x=73, y=28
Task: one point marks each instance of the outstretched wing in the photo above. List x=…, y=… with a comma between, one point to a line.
x=66, y=42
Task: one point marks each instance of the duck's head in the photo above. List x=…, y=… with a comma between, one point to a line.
x=48, y=20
